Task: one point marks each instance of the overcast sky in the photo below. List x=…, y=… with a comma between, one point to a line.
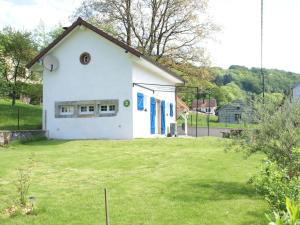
x=238, y=43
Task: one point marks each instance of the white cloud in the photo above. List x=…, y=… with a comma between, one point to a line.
x=28, y=16
x=239, y=42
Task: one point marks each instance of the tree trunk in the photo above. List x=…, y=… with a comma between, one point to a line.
x=13, y=102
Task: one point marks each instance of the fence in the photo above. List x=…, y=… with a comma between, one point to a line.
x=20, y=118
x=206, y=125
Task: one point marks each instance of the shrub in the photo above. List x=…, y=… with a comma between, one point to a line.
x=276, y=185
x=289, y=217
x=277, y=135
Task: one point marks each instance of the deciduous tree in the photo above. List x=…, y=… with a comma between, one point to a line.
x=17, y=49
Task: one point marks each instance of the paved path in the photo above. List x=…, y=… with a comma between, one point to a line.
x=203, y=131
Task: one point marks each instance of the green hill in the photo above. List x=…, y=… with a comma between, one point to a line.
x=236, y=82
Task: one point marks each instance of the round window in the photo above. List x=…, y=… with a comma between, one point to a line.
x=85, y=58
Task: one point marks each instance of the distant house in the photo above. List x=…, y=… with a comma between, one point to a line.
x=232, y=112
x=296, y=91
x=207, y=106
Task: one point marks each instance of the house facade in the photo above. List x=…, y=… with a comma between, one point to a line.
x=232, y=112
x=95, y=91
x=207, y=106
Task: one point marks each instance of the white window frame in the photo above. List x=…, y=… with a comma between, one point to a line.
x=88, y=111
x=66, y=110
x=107, y=109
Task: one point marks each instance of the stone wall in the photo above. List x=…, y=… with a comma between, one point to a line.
x=7, y=136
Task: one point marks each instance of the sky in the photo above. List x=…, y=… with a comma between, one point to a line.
x=237, y=43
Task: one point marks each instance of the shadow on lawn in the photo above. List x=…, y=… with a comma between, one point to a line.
x=45, y=142
x=208, y=190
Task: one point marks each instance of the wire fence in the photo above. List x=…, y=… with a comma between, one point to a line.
x=20, y=118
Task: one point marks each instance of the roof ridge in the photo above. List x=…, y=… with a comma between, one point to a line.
x=107, y=36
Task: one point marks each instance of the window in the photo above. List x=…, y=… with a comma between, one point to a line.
x=85, y=58
x=66, y=110
x=171, y=110
x=112, y=108
x=103, y=108
x=107, y=108
x=237, y=117
x=140, y=101
x=86, y=109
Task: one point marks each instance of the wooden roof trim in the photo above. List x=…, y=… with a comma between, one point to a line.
x=79, y=22
x=107, y=36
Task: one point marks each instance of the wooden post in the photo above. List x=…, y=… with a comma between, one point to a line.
x=106, y=207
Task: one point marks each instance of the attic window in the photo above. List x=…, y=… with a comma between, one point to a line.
x=85, y=58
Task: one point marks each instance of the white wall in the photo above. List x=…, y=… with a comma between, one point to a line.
x=107, y=76
x=141, y=119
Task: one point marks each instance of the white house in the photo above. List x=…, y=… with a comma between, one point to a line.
x=97, y=87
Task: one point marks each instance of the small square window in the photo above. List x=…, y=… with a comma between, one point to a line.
x=91, y=108
x=112, y=108
x=66, y=110
x=83, y=109
x=103, y=108
x=87, y=109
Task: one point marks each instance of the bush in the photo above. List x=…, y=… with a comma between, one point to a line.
x=276, y=185
x=277, y=135
x=289, y=217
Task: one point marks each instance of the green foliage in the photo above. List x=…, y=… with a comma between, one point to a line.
x=277, y=135
x=33, y=91
x=289, y=217
x=17, y=49
x=30, y=116
x=276, y=185
x=42, y=38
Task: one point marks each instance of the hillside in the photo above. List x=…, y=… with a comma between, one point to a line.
x=236, y=82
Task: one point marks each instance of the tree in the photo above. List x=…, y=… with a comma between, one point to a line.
x=17, y=49
x=277, y=135
x=160, y=28
x=42, y=38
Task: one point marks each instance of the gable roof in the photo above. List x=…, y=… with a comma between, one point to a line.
x=127, y=48
x=204, y=103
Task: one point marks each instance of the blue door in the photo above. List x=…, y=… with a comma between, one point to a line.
x=152, y=114
x=163, y=117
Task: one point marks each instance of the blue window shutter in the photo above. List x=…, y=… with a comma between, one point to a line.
x=171, y=110
x=140, y=101
x=152, y=114
x=163, y=117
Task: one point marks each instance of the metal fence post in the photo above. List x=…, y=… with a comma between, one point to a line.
x=197, y=112
x=18, y=118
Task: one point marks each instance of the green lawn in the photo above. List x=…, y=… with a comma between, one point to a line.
x=150, y=182
x=30, y=116
x=213, y=122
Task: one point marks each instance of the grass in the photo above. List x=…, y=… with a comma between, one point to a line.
x=150, y=182
x=213, y=122
x=30, y=116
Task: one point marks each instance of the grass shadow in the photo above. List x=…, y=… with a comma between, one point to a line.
x=210, y=190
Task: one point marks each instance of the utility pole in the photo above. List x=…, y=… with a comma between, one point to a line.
x=261, y=48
